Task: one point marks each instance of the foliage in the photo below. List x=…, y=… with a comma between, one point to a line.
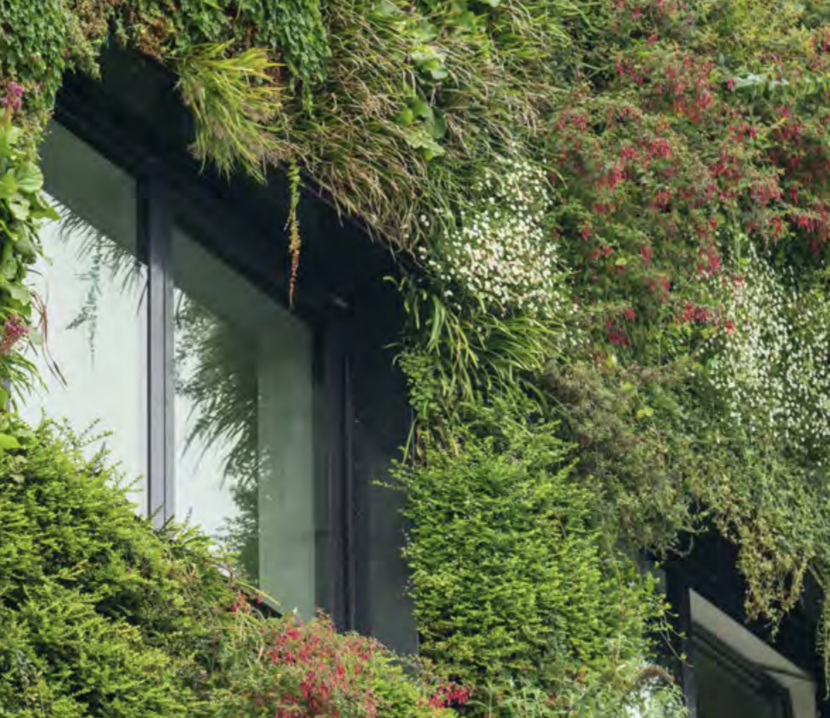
x=99, y=614
x=102, y=615
x=309, y=670
x=771, y=362
x=687, y=173
x=689, y=208
x=231, y=98
x=455, y=353
x=414, y=102
x=22, y=210
x=649, y=279
x=292, y=30
x=42, y=41
x=512, y=576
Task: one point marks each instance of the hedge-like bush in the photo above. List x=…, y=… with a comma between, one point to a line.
x=101, y=615
x=516, y=585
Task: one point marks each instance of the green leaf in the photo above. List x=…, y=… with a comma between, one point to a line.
x=421, y=108
x=439, y=126
x=43, y=210
x=29, y=177
x=20, y=294
x=26, y=248
x=645, y=412
x=419, y=139
x=466, y=21
x=8, y=185
x=19, y=208
x=385, y=8
x=405, y=116
x=9, y=136
x=7, y=441
x=9, y=268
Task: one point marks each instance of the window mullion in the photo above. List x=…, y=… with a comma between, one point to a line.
x=154, y=223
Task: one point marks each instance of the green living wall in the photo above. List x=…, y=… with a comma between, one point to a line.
x=617, y=325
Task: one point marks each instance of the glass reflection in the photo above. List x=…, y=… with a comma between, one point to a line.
x=93, y=362
x=243, y=405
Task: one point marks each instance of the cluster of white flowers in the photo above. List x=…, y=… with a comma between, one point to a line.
x=500, y=253
x=773, y=362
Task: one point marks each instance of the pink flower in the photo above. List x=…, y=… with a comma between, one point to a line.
x=14, y=329
x=13, y=97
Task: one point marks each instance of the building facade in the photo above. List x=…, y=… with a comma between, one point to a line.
x=272, y=428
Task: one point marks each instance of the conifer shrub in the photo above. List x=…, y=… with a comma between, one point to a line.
x=103, y=615
x=518, y=590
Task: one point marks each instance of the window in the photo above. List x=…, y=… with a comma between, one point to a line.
x=737, y=674
x=206, y=383
x=244, y=465
x=727, y=685
x=93, y=363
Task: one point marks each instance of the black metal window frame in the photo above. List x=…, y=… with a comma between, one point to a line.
x=171, y=192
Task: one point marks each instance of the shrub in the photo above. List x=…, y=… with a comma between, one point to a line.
x=513, y=581
x=101, y=615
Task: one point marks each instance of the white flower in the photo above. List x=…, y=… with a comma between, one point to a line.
x=500, y=254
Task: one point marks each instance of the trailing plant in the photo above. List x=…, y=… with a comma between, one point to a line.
x=501, y=256
x=770, y=364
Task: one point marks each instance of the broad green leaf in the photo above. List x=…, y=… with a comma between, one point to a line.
x=7, y=441
x=8, y=185
x=20, y=294
x=421, y=108
x=19, y=208
x=9, y=268
x=29, y=177
x=405, y=116
x=26, y=248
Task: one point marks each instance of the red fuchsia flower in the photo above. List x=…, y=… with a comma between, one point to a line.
x=14, y=329
x=13, y=99
x=450, y=694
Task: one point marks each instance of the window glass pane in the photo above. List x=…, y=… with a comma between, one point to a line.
x=729, y=687
x=243, y=406
x=93, y=364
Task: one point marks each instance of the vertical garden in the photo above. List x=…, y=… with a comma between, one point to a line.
x=611, y=220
